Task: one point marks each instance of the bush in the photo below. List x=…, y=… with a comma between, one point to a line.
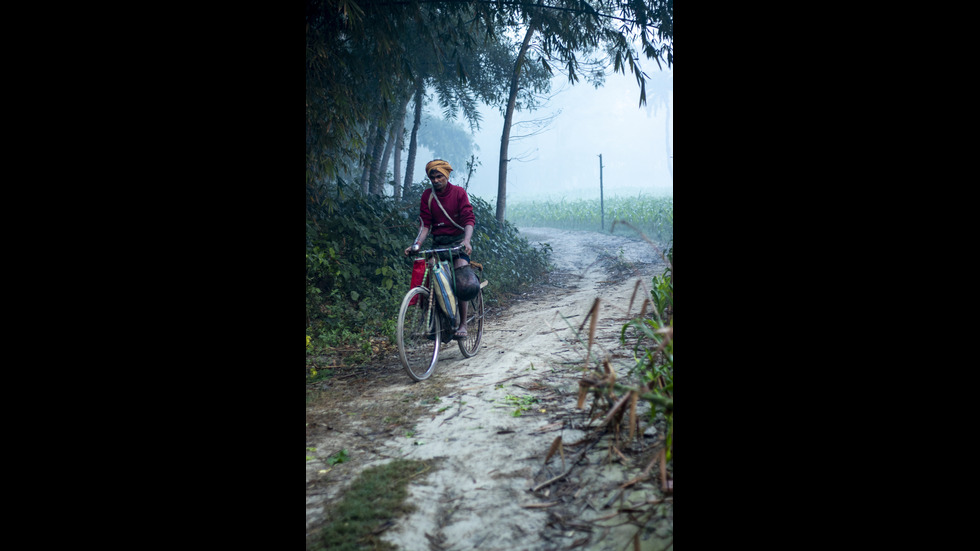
x=357, y=274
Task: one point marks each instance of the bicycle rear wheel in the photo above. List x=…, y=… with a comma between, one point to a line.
x=474, y=326
x=418, y=335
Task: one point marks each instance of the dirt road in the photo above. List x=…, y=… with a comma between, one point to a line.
x=487, y=423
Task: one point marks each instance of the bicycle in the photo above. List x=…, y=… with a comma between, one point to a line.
x=423, y=326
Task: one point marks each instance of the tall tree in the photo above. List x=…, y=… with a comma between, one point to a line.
x=399, y=146
x=389, y=145
x=447, y=140
x=413, y=141
x=359, y=53
x=573, y=28
x=367, y=155
x=508, y=122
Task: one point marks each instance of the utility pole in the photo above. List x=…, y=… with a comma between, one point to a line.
x=602, y=209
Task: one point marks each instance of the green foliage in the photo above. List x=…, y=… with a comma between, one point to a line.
x=510, y=262
x=313, y=375
x=662, y=294
x=521, y=403
x=338, y=457
x=652, y=215
x=364, y=58
x=446, y=140
x=653, y=350
x=376, y=496
x=357, y=273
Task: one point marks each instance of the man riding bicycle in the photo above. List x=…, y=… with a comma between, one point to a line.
x=449, y=218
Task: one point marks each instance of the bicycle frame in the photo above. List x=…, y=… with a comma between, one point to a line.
x=431, y=256
x=414, y=326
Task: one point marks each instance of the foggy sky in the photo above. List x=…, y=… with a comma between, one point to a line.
x=564, y=160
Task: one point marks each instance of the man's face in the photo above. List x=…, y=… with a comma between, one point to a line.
x=438, y=180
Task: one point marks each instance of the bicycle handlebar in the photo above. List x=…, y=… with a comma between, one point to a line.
x=430, y=251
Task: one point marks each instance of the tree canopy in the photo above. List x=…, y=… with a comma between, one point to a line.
x=447, y=140
x=367, y=60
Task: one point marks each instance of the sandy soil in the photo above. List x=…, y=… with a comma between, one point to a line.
x=486, y=424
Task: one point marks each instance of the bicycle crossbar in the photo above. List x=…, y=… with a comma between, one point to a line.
x=422, y=253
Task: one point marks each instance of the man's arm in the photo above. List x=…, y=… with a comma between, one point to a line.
x=468, y=233
x=423, y=233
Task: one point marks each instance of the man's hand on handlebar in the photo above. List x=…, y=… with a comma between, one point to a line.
x=415, y=248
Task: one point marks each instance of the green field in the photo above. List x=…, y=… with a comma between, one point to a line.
x=654, y=216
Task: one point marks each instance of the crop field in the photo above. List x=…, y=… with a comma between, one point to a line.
x=654, y=216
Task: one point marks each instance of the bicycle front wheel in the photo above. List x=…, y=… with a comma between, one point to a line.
x=474, y=326
x=418, y=335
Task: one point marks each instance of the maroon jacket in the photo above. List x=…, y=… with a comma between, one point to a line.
x=457, y=204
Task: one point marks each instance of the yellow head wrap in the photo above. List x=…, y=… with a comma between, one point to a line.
x=440, y=165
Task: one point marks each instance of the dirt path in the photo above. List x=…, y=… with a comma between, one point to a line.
x=485, y=424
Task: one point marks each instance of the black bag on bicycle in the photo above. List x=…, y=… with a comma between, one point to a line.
x=467, y=283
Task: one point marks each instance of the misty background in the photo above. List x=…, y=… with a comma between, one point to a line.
x=559, y=155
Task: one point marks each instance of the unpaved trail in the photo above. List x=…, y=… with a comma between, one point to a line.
x=485, y=424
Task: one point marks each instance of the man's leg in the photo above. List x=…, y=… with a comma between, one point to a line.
x=462, y=306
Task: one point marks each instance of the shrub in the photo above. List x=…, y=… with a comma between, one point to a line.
x=357, y=274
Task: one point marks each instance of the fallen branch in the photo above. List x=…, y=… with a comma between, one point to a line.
x=509, y=378
x=665, y=485
x=458, y=411
x=620, y=454
x=540, y=505
x=612, y=412
x=547, y=428
x=645, y=474
x=555, y=446
x=578, y=458
x=616, y=496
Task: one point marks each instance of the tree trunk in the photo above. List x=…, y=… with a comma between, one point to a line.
x=366, y=162
x=376, y=160
x=469, y=171
x=399, y=145
x=670, y=155
x=413, y=142
x=508, y=120
x=390, y=145
x=385, y=157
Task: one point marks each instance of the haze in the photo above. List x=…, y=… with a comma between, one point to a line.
x=563, y=161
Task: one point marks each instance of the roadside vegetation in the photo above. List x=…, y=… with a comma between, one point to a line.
x=654, y=216
x=625, y=404
x=357, y=273
x=616, y=402
x=371, y=69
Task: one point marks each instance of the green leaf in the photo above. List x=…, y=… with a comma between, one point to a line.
x=338, y=457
